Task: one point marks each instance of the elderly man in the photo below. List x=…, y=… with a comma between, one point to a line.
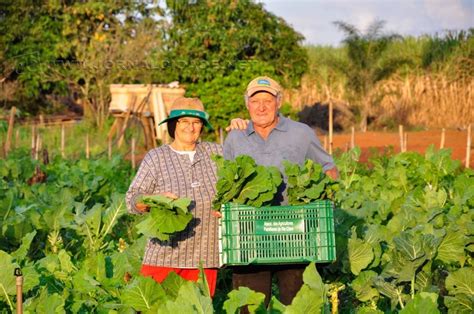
x=271, y=138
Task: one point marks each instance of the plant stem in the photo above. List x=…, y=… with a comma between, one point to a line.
x=6, y=296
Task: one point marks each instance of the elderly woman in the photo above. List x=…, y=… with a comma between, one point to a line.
x=182, y=169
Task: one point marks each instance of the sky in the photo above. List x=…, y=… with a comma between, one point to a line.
x=314, y=18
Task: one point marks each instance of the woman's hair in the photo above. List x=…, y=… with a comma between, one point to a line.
x=172, y=126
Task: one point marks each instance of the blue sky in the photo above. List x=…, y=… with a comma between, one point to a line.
x=313, y=18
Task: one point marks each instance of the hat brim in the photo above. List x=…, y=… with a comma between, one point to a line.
x=252, y=91
x=175, y=114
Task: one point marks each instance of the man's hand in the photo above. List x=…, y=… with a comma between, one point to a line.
x=333, y=173
x=237, y=124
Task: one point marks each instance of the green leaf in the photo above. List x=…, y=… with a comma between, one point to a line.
x=360, y=254
x=409, y=246
x=189, y=300
x=451, y=248
x=244, y=296
x=165, y=218
x=312, y=297
x=142, y=293
x=460, y=304
x=363, y=286
x=172, y=284
x=422, y=302
x=7, y=278
x=389, y=290
x=52, y=303
x=20, y=254
x=461, y=281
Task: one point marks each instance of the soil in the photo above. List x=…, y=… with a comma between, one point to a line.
x=416, y=141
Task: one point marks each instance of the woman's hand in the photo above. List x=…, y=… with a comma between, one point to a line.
x=237, y=124
x=216, y=214
x=143, y=208
x=170, y=195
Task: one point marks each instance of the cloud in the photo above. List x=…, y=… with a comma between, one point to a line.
x=407, y=17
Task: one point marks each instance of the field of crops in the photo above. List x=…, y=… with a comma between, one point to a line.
x=404, y=233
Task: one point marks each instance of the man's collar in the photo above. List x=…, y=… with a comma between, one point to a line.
x=282, y=125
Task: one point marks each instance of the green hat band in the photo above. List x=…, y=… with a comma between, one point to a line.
x=189, y=113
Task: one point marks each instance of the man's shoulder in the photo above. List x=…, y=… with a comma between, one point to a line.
x=298, y=126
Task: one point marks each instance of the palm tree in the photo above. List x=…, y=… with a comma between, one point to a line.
x=367, y=63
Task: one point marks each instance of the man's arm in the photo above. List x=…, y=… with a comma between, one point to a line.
x=317, y=153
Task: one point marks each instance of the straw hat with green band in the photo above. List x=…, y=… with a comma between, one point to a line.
x=188, y=107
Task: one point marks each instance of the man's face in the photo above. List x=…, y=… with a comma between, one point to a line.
x=263, y=109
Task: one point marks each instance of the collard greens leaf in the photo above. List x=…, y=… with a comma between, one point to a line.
x=142, y=293
x=363, y=286
x=312, y=296
x=244, y=296
x=451, y=248
x=166, y=217
x=461, y=281
x=360, y=254
x=423, y=302
x=241, y=181
x=189, y=300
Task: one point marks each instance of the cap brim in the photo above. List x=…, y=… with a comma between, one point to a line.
x=206, y=123
x=256, y=89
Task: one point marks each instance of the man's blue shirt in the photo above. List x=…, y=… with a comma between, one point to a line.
x=289, y=140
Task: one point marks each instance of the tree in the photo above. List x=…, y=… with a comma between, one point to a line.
x=367, y=63
x=217, y=47
x=67, y=47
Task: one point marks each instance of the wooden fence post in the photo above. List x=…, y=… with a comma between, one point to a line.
x=109, y=148
x=87, y=146
x=352, y=137
x=133, y=153
x=405, y=141
x=11, y=123
x=330, y=126
x=400, y=134
x=443, y=135
x=33, y=138
x=63, y=141
x=468, y=147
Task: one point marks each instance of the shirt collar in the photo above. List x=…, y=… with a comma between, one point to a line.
x=281, y=126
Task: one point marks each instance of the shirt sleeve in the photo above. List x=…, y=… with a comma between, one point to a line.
x=143, y=183
x=228, y=152
x=317, y=153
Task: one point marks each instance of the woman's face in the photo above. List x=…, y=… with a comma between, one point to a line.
x=188, y=130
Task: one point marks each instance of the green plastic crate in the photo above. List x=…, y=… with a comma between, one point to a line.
x=277, y=234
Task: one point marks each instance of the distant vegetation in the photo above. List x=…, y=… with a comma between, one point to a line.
x=55, y=55
x=433, y=87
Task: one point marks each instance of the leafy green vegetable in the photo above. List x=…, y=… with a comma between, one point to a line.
x=423, y=302
x=244, y=296
x=166, y=217
x=241, y=181
x=307, y=183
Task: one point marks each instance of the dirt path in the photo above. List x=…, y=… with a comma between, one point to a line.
x=416, y=141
